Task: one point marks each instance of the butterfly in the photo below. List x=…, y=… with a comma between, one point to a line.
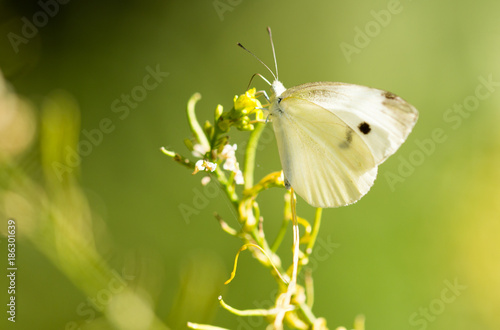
x=332, y=136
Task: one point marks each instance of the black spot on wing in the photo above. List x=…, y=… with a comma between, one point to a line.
x=364, y=128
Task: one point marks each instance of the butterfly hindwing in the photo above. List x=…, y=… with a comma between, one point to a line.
x=325, y=161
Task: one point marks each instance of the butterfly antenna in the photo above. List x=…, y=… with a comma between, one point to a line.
x=274, y=53
x=259, y=75
x=258, y=59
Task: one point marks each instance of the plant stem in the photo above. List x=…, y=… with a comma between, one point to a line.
x=193, y=122
x=250, y=155
x=284, y=225
x=280, y=236
x=315, y=230
x=292, y=286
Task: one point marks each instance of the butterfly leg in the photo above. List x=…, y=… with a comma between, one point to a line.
x=263, y=92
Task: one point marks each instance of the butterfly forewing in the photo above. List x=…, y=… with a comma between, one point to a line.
x=382, y=119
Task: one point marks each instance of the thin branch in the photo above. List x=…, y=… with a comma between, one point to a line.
x=244, y=247
x=315, y=230
x=248, y=167
x=193, y=122
x=252, y=312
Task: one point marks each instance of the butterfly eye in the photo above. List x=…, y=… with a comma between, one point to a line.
x=364, y=128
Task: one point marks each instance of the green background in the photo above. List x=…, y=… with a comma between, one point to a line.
x=394, y=250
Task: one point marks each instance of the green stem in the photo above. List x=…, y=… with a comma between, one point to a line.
x=250, y=155
x=248, y=312
x=227, y=187
x=284, y=225
x=178, y=158
x=265, y=246
x=193, y=122
x=215, y=136
x=280, y=236
x=199, y=326
x=309, y=287
x=315, y=230
x=314, y=235
x=307, y=312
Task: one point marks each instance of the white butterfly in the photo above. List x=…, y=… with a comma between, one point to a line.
x=332, y=136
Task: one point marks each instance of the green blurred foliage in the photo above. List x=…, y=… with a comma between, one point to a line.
x=397, y=246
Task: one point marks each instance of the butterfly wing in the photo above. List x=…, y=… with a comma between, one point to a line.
x=323, y=159
x=332, y=136
x=382, y=119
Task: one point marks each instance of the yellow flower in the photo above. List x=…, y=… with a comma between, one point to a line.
x=246, y=102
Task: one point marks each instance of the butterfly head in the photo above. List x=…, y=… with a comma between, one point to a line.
x=277, y=87
x=277, y=90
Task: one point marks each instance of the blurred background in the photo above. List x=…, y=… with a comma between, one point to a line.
x=102, y=240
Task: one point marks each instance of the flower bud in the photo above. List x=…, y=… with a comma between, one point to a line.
x=218, y=112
